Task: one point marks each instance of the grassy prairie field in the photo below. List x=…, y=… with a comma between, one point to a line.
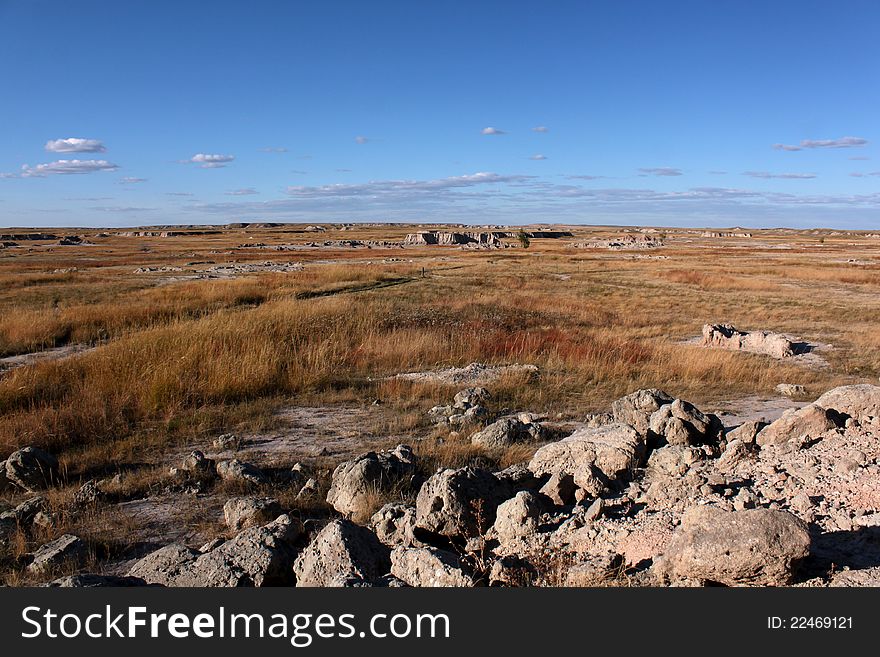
x=154, y=345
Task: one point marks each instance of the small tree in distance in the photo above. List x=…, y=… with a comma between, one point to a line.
x=523, y=238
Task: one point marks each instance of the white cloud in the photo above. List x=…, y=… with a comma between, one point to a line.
x=857, y=174
x=75, y=145
x=859, y=157
x=660, y=171
x=541, y=128
x=210, y=161
x=492, y=131
x=244, y=191
x=398, y=188
x=783, y=176
x=360, y=139
x=273, y=149
x=843, y=142
x=65, y=167
x=131, y=181
x=538, y=156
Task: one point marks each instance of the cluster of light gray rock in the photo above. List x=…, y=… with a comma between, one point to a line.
x=655, y=491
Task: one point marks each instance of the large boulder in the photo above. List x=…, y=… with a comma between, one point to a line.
x=428, y=567
x=682, y=423
x=31, y=468
x=755, y=547
x=607, y=454
x=66, y=550
x=860, y=402
x=506, y=432
x=459, y=503
x=342, y=553
x=637, y=407
x=258, y=556
x=357, y=483
x=810, y=421
x=243, y=512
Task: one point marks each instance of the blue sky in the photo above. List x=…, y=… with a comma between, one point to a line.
x=667, y=113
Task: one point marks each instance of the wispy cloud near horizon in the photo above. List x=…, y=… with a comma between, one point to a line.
x=843, y=142
x=660, y=171
x=780, y=176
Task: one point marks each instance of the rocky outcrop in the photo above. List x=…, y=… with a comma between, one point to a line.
x=727, y=336
x=757, y=547
x=357, y=483
x=342, y=554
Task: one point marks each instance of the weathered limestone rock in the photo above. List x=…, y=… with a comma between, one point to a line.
x=394, y=525
x=91, y=581
x=610, y=453
x=756, y=547
x=339, y=553
x=32, y=469
x=517, y=517
x=238, y=471
x=636, y=408
x=860, y=402
x=506, y=432
x=726, y=336
x=66, y=549
x=790, y=389
x=199, y=466
x=258, y=556
x=811, y=421
x=428, y=566
x=357, y=483
x=747, y=432
x=682, y=423
x=243, y=512
x=459, y=503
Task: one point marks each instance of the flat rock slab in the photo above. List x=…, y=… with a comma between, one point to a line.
x=472, y=374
